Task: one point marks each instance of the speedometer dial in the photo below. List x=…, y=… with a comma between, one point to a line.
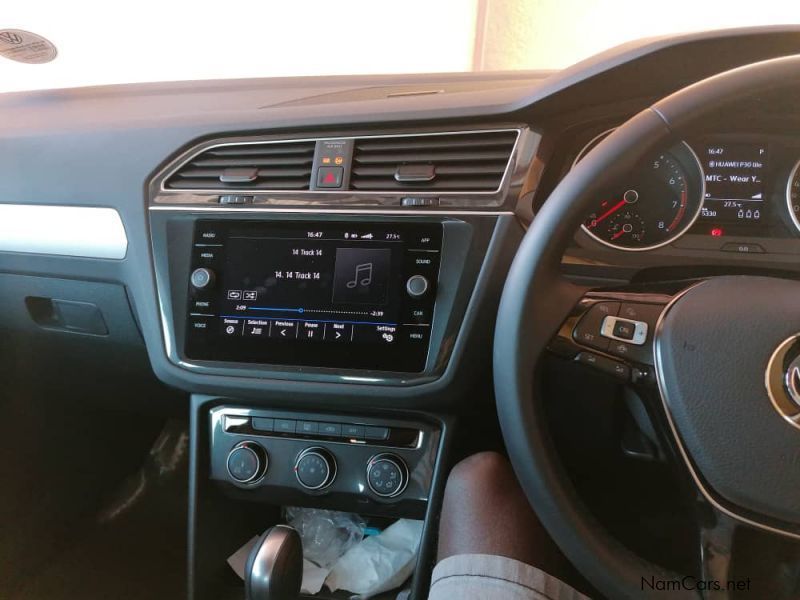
x=657, y=204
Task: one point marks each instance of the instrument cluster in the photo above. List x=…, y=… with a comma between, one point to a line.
x=721, y=185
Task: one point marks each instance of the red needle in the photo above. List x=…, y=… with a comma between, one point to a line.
x=618, y=234
x=608, y=213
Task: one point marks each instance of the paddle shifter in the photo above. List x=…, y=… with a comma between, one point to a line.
x=274, y=569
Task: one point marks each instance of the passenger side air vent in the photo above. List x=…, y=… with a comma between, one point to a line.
x=257, y=166
x=457, y=162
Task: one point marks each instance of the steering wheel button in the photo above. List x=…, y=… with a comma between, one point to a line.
x=588, y=330
x=639, y=354
x=624, y=329
x=609, y=366
x=648, y=313
x=606, y=308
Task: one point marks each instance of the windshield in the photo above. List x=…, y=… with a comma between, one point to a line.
x=148, y=40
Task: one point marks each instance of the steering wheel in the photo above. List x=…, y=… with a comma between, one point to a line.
x=720, y=352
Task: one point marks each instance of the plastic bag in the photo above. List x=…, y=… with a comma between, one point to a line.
x=380, y=562
x=326, y=534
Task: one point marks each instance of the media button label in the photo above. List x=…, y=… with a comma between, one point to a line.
x=283, y=330
x=256, y=328
x=338, y=332
x=231, y=327
x=311, y=330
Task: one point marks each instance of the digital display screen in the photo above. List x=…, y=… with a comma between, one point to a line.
x=735, y=182
x=315, y=294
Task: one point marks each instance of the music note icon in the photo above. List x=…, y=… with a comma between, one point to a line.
x=362, y=276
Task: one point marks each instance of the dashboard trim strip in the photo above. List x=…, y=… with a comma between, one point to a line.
x=323, y=210
x=77, y=231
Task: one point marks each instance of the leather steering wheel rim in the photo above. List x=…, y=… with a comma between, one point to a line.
x=536, y=300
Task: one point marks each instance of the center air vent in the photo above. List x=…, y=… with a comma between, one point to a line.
x=458, y=162
x=257, y=166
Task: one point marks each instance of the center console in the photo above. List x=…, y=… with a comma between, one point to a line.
x=327, y=322
x=249, y=462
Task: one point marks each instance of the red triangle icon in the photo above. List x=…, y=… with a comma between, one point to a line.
x=329, y=178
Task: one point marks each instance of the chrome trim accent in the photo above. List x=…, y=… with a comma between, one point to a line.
x=793, y=383
x=680, y=232
x=676, y=436
x=792, y=174
x=199, y=149
x=77, y=231
x=322, y=210
x=775, y=379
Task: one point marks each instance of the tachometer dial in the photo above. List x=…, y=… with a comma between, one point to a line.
x=657, y=204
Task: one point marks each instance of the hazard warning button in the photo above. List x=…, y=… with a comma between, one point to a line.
x=330, y=177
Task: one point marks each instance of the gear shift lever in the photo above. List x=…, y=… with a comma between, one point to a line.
x=274, y=569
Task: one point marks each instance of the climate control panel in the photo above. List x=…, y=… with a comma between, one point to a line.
x=328, y=459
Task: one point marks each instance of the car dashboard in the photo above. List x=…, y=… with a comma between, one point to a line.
x=318, y=262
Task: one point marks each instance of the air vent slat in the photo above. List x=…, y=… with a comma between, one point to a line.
x=281, y=166
x=459, y=169
x=262, y=150
x=422, y=157
x=260, y=184
x=455, y=184
x=468, y=162
x=430, y=143
x=252, y=161
x=261, y=173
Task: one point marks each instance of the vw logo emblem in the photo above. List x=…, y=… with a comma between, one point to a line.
x=9, y=37
x=792, y=381
x=783, y=379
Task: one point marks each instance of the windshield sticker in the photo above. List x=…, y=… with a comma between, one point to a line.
x=26, y=47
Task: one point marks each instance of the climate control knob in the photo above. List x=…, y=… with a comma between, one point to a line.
x=247, y=462
x=315, y=468
x=202, y=278
x=387, y=475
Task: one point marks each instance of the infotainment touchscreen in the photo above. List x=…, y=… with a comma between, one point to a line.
x=344, y=295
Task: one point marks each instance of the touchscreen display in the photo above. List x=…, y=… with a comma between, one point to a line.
x=315, y=294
